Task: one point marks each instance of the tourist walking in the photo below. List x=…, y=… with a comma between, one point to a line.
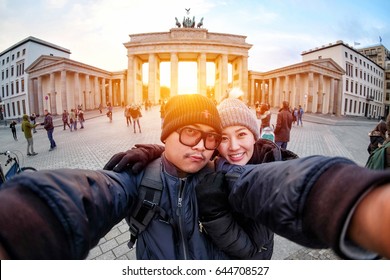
x=73, y=120
x=65, y=119
x=13, y=130
x=283, y=126
x=135, y=112
x=48, y=125
x=127, y=115
x=300, y=115
x=26, y=128
x=80, y=115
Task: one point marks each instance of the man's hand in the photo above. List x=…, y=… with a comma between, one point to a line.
x=135, y=159
x=212, y=196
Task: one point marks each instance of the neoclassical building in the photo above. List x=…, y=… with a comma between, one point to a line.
x=59, y=83
x=316, y=85
x=183, y=45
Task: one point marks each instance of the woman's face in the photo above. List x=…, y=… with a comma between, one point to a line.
x=237, y=144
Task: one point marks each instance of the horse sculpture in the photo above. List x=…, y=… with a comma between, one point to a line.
x=200, y=23
x=177, y=23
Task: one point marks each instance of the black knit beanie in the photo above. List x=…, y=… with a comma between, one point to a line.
x=189, y=109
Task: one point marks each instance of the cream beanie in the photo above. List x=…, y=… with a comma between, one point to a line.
x=233, y=111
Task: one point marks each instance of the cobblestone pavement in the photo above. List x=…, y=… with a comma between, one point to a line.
x=93, y=146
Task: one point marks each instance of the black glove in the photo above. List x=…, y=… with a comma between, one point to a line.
x=135, y=159
x=212, y=196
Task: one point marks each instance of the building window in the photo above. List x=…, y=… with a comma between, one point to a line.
x=18, y=107
x=12, y=71
x=24, y=106
x=22, y=85
x=24, y=51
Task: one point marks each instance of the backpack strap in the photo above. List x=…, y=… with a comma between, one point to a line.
x=147, y=205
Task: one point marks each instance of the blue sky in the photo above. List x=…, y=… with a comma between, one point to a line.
x=95, y=30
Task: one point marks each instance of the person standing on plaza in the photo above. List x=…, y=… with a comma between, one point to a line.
x=109, y=111
x=283, y=126
x=300, y=115
x=73, y=120
x=26, y=128
x=65, y=119
x=380, y=156
x=33, y=117
x=48, y=125
x=377, y=136
x=13, y=130
x=135, y=112
x=127, y=115
x=80, y=115
x=265, y=117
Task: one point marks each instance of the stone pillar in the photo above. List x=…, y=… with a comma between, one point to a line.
x=52, y=99
x=339, y=101
x=271, y=93
x=131, y=79
x=174, y=74
x=262, y=90
x=122, y=91
x=110, y=92
x=310, y=94
x=32, y=97
x=224, y=73
x=77, y=93
x=64, y=97
x=297, y=95
x=331, y=97
x=103, y=100
x=244, y=76
x=154, y=79
x=96, y=99
x=202, y=82
x=277, y=97
x=41, y=98
x=252, y=91
x=87, y=93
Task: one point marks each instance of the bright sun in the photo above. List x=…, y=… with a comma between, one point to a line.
x=187, y=75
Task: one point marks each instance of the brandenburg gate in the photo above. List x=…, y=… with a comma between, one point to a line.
x=186, y=44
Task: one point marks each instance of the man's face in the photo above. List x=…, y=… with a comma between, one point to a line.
x=188, y=159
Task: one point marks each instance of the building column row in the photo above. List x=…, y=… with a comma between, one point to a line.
x=315, y=92
x=134, y=76
x=70, y=92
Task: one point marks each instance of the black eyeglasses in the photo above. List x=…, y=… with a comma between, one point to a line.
x=191, y=137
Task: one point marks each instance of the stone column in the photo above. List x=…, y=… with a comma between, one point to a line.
x=103, y=100
x=154, y=79
x=271, y=93
x=77, y=94
x=202, y=82
x=87, y=93
x=331, y=97
x=277, y=97
x=244, y=75
x=174, y=74
x=297, y=95
x=131, y=79
x=52, y=99
x=110, y=92
x=32, y=97
x=41, y=97
x=310, y=94
x=224, y=73
x=252, y=91
x=64, y=101
x=96, y=94
x=122, y=91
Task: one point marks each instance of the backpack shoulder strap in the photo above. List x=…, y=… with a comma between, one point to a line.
x=147, y=205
